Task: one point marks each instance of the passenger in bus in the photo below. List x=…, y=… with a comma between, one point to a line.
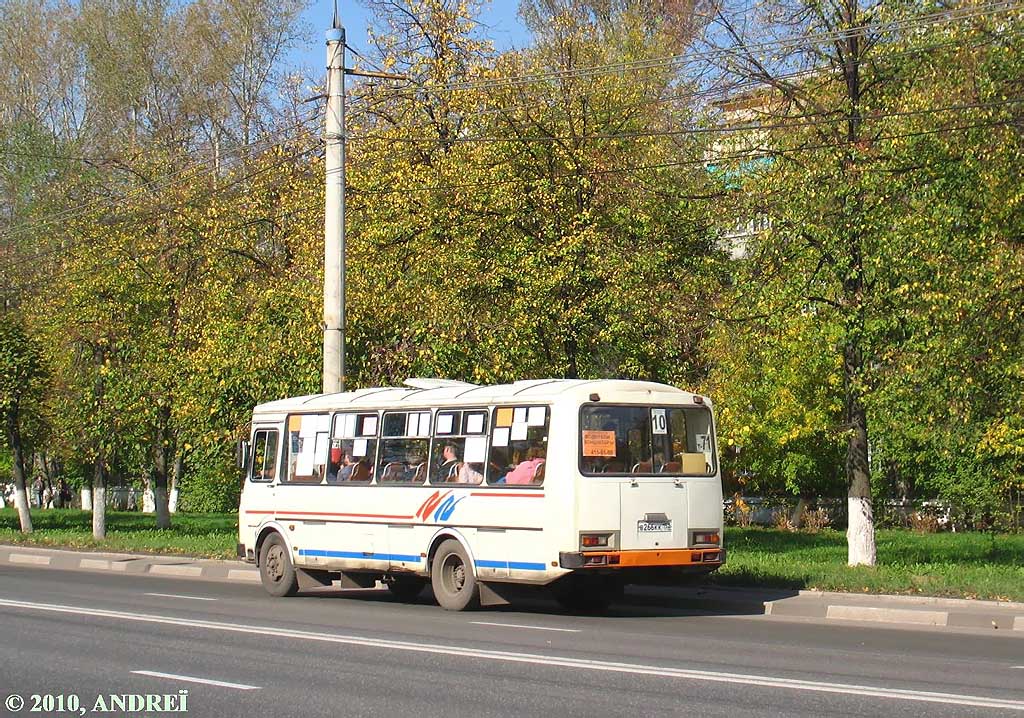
x=347, y=465
x=450, y=463
x=525, y=472
x=470, y=473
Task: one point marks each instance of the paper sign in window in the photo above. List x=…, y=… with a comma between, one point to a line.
x=519, y=431
x=535, y=416
x=323, y=423
x=519, y=417
x=294, y=422
x=694, y=463
x=444, y=423
x=702, y=443
x=475, y=425
x=322, y=446
x=369, y=426
x=658, y=423
x=359, y=447
x=476, y=449
x=304, y=464
x=350, y=425
x=599, y=443
x=412, y=424
x=424, y=426
x=501, y=437
x=503, y=417
x=308, y=426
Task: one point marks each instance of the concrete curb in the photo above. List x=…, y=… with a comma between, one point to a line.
x=880, y=610
x=840, y=607
x=166, y=566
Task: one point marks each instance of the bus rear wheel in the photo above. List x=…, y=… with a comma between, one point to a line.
x=406, y=588
x=276, y=570
x=452, y=578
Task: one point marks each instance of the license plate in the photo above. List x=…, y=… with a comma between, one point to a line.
x=648, y=527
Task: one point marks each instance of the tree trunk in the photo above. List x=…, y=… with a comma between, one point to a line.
x=161, y=469
x=86, y=498
x=18, y=469
x=179, y=469
x=797, y=517
x=860, y=532
x=99, y=500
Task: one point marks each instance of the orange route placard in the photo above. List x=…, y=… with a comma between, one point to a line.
x=598, y=443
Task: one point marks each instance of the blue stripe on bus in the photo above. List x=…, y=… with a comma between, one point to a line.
x=359, y=554
x=322, y=553
x=521, y=565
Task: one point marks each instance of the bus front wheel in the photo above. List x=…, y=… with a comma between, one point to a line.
x=276, y=570
x=451, y=576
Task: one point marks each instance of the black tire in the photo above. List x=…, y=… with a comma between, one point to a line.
x=452, y=578
x=406, y=588
x=276, y=570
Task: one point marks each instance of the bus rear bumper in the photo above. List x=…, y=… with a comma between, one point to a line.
x=648, y=558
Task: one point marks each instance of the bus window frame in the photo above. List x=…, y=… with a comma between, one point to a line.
x=493, y=415
x=651, y=474
x=252, y=454
x=378, y=472
x=286, y=455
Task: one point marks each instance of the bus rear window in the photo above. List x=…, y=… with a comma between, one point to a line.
x=646, y=440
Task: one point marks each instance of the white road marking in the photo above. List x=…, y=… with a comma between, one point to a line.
x=175, y=595
x=193, y=679
x=536, y=659
x=535, y=628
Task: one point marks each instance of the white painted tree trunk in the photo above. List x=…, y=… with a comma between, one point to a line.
x=172, y=501
x=860, y=532
x=86, y=498
x=148, y=504
x=99, y=512
x=24, y=515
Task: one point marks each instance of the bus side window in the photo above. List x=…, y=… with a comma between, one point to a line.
x=459, y=447
x=404, y=448
x=264, y=456
x=308, y=447
x=353, y=448
x=519, y=445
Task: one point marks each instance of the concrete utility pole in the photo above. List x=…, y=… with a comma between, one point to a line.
x=334, y=217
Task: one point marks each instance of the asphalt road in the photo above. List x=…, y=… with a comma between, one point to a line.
x=360, y=653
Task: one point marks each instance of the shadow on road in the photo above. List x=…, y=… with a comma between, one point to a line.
x=638, y=602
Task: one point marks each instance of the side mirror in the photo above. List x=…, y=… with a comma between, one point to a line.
x=242, y=454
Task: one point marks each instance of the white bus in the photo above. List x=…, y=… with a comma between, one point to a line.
x=583, y=486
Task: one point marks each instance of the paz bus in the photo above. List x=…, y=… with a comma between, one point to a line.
x=580, y=486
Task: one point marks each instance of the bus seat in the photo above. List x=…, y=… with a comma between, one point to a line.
x=394, y=471
x=644, y=467
x=453, y=473
x=360, y=472
x=419, y=473
x=538, y=473
x=672, y=467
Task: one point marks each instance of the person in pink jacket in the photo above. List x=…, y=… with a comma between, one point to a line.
x=525, y=471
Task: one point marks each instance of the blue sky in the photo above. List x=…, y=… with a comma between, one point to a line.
x=505, y=29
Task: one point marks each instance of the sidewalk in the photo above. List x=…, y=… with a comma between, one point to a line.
x=907, y=611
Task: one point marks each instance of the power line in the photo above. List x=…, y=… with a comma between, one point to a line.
x=718, y=90
x=165, y=183
x=684, y=131
x=788, y=44
x=187, y=202
x=743, y=156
